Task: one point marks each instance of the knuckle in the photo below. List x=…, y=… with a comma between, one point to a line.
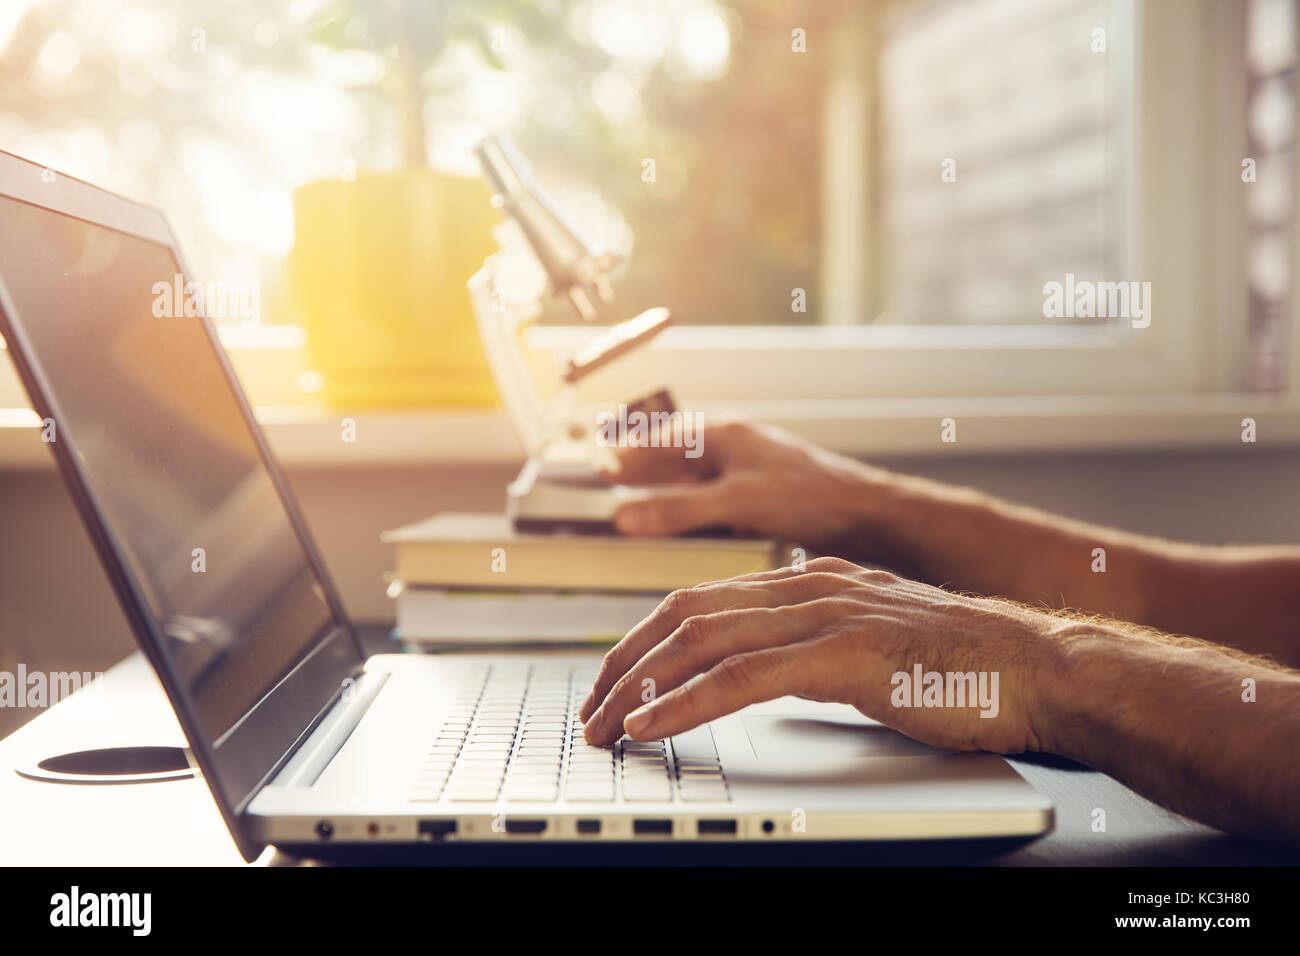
x=737, y=672
x=877, y=576
x=620, y=685
x=612, y=664
x=819, y=580
x=695, y=630
x=676, y=603
x=607, y=664
x=832, y=564
x=688, y=697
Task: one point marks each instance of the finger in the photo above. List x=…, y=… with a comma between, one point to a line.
x=781, y=588
x=699, y=644
x=677, y=508
x=732, y=685
x=828, y=564
x=648, y=465
x=663, y=620
x=674, y=451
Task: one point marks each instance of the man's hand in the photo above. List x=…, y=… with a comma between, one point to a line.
x=832, y=632
x=752, y=477
x=760, y=479
x=1202, y=730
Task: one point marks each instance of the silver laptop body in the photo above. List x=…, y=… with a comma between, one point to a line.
x=489, y=747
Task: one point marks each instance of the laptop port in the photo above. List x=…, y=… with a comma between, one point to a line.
x=436, y=829
x=589, y=827
x=533, y=827
x=324, y=829
x=652, y=827
x=716, y=827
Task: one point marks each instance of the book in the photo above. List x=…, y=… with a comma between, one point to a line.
x=452, y=615
x=483, y=550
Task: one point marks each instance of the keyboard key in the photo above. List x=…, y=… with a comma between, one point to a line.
x=695, y=744
x=633, y=748
x=474, y=796
x=647, y=791
x=478, y=773
x=513, y=733
x=718, y=794
x=532, y=794
x=590, y=792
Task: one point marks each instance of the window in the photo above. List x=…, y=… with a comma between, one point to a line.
x=802, y=187
x=1001, y=143
x=1127, y=169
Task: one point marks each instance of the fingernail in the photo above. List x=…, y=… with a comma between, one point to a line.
x=638, y=722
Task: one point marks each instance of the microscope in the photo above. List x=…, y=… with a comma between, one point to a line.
x=559, y=488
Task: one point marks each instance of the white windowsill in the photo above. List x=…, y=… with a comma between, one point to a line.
x=312, y=437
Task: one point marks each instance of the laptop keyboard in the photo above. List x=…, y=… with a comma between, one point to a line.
x=513, y=734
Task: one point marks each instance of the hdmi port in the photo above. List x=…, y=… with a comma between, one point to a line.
x=525, y=826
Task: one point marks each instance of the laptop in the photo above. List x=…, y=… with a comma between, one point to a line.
x=304, y=739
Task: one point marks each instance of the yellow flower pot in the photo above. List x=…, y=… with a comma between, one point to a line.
x=378, y=270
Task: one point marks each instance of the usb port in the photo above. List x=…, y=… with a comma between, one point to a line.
x=525, y=826
x=716, y=827
x=652, y=827
x=589, y=827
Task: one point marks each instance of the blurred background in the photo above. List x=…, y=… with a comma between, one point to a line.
x=851, y=207
x=796, y=145
x=217, y=110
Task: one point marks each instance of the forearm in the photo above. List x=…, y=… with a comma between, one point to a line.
x=1245, y=597
x=1209, y=734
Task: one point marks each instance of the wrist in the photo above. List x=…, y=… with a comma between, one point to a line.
x=883, y=514
x=1062, y=677
x=1079, y=714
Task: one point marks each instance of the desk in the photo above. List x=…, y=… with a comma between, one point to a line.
x=177, y=823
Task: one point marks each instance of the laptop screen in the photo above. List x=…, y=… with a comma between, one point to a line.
x=140, y=398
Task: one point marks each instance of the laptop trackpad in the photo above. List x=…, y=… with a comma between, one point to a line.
x=794, y=737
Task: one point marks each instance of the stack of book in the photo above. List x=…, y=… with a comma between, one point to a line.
x=470, y=578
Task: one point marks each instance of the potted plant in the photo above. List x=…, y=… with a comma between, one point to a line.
x=380, y=259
